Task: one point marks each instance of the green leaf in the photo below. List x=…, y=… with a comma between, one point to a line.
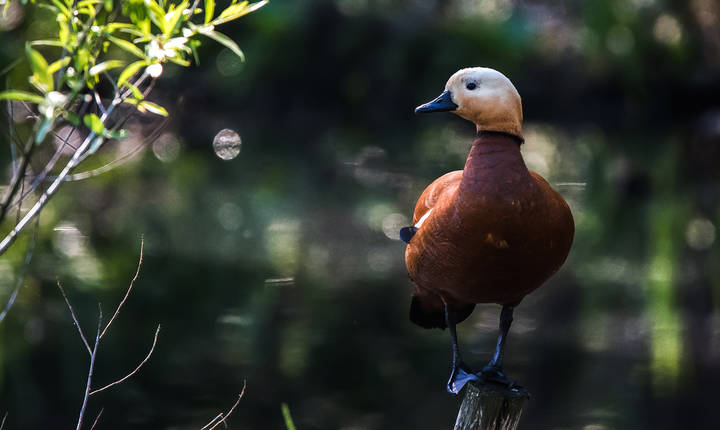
x=57, y=65
x=55, y=43
x=181, y=61
x=72, y=118
x=234, y=10
x=127, y=46
x=62, y=8
x=173, y=17
x=135, y=91
x=194, y=45
x=116, y=134
x=226, y=41
x=21, y=96
x=209, y=10
x=157, y=14
x=44, y=129
x=152, y=108
x=95, y=144
x=94, y=123
x=41, y=76
x=130, y=71
x=105, y=65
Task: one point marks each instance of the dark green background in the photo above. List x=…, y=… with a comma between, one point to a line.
x=622, y=109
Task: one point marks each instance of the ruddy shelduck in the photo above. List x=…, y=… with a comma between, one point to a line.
x=490, y=233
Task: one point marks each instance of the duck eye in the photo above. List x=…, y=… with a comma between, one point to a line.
x=471, y=86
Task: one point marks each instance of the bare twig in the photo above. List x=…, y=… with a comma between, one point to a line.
x=214, y=423
x=75, y=320
x=127, y=293
x=18, y=177
x=2, y=424
x=19, y=283
x=219, y=416
x=142, y=363
x=90, y=371
x=97, y=418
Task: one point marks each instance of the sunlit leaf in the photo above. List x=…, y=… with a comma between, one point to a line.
x=172, y=19
x=156, y=14
x=209, y=10
x=152, y=108
x=130, y=71
x=238, y=10
x=134, y=90
x=21, y=96
x=62, y=8
x=55, y=43
x=127, y=46
x=105, y=65
x=94, y=123
x=42, y=77
x=225, y=41
x=57, y=65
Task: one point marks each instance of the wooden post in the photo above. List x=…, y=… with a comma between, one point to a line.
x=490, y=407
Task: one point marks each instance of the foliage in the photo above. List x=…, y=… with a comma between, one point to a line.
x=123, y=44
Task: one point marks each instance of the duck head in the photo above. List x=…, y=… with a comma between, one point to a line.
x=481, y=95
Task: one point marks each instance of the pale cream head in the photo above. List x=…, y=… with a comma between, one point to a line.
x=488, y=99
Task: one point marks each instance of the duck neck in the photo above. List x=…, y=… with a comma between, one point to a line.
x=494, y=157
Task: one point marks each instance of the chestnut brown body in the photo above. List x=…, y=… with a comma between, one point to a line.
x=496, y=232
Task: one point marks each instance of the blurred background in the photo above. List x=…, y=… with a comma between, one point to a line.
x=281, y=265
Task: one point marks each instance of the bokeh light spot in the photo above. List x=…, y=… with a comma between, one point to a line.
x=228, y=63
x=166, y=148
x=230, y=216
x=392, y=224
x=667, y=30
x=700, y=233
x=227, y=144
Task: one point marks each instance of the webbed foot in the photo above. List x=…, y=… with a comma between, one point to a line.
x=459, y=376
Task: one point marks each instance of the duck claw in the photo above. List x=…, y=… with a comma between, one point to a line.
x=459, y=376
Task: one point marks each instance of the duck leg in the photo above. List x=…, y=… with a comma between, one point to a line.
x=494, y=369
x=460, y=373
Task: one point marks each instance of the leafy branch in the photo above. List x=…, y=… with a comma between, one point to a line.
x=124, y=44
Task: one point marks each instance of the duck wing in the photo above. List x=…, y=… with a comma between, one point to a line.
x=443, y=186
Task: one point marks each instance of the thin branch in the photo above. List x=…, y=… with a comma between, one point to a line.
x=2, y=424
x=127, y=293
x=19, y=283
x=219, y=416
x=228, y=413
x=75, y=320
x=77, y=157
x=232, y=409
x=142, y=363
x=97, y=418
x=90, y=371
x=18, y=176
x=53, y=160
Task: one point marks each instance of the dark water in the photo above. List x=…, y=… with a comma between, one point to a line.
x=280, y=267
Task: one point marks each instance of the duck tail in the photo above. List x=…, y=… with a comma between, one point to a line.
x=427, y=311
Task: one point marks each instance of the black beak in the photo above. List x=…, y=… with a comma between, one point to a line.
x=443, y=103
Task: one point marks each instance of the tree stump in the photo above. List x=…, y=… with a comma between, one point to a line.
x=491, y=407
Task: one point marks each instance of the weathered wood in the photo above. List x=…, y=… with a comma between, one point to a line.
x=490, y=407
